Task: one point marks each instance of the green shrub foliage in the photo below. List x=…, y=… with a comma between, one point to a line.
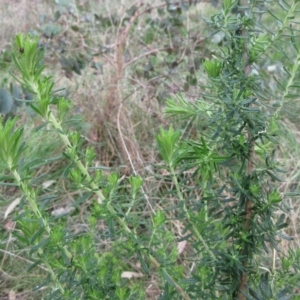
x=223, y=183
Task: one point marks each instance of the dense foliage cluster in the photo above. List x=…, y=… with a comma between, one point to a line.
x=225, y=212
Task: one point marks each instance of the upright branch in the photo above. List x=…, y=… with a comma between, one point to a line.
x=248, y=205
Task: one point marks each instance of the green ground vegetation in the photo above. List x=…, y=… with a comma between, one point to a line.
x=142, y=158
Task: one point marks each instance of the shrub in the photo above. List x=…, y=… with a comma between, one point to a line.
x=222, y=183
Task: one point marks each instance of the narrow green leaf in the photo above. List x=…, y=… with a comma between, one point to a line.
x=35, y=264
x=143, y=262
x=274, y=177
x=167, y=277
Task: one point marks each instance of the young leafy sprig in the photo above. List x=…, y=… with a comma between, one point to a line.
x=28, y=57
x=29, y=62
x=11, y=151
